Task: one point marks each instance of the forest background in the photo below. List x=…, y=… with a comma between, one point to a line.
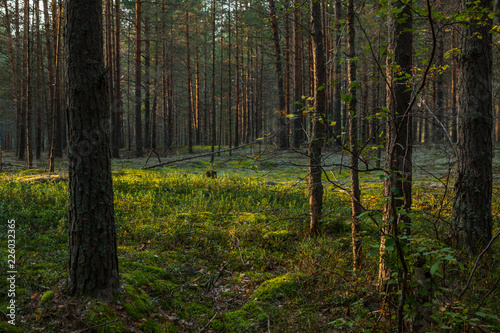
x=199, y=76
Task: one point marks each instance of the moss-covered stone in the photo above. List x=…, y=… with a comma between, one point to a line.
x=101, y=313
x=47, y=297
x=138, y=304
x=277, y=288
x=150, y=326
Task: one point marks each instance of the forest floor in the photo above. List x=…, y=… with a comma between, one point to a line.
x=233, y=254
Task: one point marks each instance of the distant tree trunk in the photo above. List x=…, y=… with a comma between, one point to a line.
x=282, y=128
x=237, y=76
x=28, y=88
x=21, y=108
x=189, y=89
x=337, y=106
x=12, y=49
x=109, y=55
x=298, y=133
x=472, y=217
x=439, y=105
x=50, y=73
x=197, y=94
x=147, y=83
x=229, y=94
x=117, y=126
x=213, y=127
x=57, y=25
x=38, y=82
x=453, y=121
x=356, y=208
x=93, y=261
x=287, y=75
x=398, y=155
x=318, y=121
x=138, y=98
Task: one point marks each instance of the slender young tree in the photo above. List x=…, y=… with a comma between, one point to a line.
x=356, y=208
x=189, y=88
x=283, y=135
x=398, y=154
x=318, y=121
x=28, y=88
x=298, y=133
x=213, y=125
x=93, y=261
x=472, y=217
x=138, y=77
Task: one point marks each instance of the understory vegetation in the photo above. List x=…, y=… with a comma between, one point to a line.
x=233, y=253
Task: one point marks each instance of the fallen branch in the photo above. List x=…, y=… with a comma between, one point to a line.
x=209, y=322
x=208, y=154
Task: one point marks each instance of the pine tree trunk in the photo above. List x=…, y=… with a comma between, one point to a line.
x=356, y=208
x=318, y=121
x=472, y=217
x=282, y=128
x=189, y=89
x=28, y=88
x=298, y=122
x=138, y=76
x=337, y=107
x=93, y=261
x=398, y=155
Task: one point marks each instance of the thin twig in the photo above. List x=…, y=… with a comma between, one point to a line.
x=209, y=322
x=477, y=262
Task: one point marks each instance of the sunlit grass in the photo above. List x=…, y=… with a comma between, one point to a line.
x=189, y=244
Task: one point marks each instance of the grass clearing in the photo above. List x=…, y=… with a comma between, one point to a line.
x=232, y=254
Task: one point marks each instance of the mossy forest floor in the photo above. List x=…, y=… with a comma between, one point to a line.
x=233, y=254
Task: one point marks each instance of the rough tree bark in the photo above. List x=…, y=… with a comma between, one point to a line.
x=318, y=123
x=472, y=218
x=283, y=135
x=93, y=262
x=398, y=155
x=356, y=208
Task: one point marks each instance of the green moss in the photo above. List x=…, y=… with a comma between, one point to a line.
x=138, y=305
x=195, y=309
x=163, y=286
x=277, y=288
x=244, y=320
x=150, y=326
x=278, y=235
x=101, y=313
x=255, y=311
x=236, y=321
x=47, y=297
x=8, y=328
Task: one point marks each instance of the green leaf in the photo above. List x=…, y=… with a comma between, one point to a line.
x=435, y=267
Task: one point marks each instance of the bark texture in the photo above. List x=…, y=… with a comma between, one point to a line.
x=398, y=156
x=472, y=216
x=318, y=123
x=93, y=262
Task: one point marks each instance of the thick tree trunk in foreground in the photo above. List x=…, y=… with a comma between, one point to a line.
x=93, y=262
x=472, y=216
